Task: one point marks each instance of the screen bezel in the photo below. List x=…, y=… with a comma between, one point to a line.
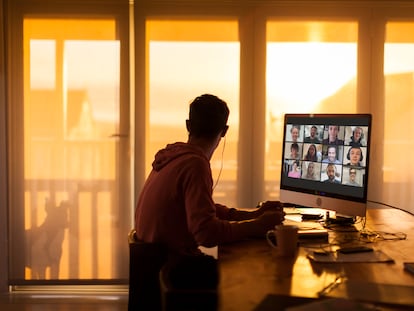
x=347, y=200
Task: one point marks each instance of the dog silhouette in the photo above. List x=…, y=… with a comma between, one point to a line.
x=44, y=242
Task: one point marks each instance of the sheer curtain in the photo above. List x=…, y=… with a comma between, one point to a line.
x=69, y=147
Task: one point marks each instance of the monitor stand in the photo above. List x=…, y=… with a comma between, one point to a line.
x=340, y=223
x=341, y=220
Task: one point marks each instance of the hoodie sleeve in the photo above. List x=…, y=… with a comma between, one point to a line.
x=223, y=212
x=202, y=213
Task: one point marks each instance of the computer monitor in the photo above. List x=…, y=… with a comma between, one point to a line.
x=325, y=162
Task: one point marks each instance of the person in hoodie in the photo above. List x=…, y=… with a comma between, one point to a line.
x=176, y=206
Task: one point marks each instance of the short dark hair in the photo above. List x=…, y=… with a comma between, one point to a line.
x=208, y=116
x=294, y=146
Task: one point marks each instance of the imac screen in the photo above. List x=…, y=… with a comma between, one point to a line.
x=325, y=161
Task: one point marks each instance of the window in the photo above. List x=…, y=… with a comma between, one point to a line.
x=69, y=218
x=311, y=68
x=399, y=111
x=188, y=58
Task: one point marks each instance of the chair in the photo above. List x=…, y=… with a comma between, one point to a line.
x=145, y=262
x=190, y=284
x=159, y=282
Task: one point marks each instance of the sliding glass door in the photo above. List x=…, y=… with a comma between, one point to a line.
x=70, y=131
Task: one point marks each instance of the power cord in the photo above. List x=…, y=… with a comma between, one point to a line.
x=391, y=206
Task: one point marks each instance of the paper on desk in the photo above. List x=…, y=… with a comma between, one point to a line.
x=337, y=304
x=389, y=294
x=302, y=225
x=335, y=257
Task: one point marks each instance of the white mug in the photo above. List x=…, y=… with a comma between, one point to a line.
x=286, y=239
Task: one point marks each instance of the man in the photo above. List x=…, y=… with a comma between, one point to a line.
x=312, y=138
x=357, y=138
x=354, y=156
x=331, y=172
x=352, y=177
x=333, y=131
x=176, y=207
x=331, y=157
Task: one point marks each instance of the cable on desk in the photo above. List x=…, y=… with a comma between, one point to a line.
x=391, y=206
x=373, y=236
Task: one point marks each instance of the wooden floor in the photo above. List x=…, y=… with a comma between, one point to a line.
x=44, y=301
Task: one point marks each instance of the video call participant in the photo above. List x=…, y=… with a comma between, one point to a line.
x=294, y=151
x=313, y=138
x=312, y=154
x=176, y=206
x=331, y=172
x=331, y=156
x=295, y=133
x=357, y=138
x=332, y=138
x=295, y=170
x=354, y=156
x=352, y=177
x=310, y=172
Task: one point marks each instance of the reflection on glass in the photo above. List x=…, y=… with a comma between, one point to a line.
x=187, y=59
x=311, y=67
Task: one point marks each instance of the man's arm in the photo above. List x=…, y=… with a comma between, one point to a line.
x=234, y=214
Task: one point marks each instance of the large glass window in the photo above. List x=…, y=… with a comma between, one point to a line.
x=311, y=67
x=187, y=59
x=399, y=112
x=74, y=224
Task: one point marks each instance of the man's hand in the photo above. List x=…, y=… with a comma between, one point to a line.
x=270, y=206
x=268, y=220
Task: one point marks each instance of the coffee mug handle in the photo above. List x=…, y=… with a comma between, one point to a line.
x=269, y=234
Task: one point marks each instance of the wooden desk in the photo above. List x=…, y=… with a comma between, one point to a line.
x=250, y=270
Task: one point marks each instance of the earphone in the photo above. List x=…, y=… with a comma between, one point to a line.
x=222, y=156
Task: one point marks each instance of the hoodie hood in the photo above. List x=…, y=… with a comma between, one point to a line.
x=174, y=151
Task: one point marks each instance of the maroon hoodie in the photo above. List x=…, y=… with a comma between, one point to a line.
x=176, y=205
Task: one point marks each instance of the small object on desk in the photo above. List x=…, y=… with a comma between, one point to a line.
x=311, y=216
x=354, y=249
x=336, y=257
x=409, y=266
x=320, y=253
x=313, y=235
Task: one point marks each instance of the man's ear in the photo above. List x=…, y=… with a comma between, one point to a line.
x=224, y=131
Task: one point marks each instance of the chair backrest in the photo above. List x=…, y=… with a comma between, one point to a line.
x=190, y=283
x=145, y=263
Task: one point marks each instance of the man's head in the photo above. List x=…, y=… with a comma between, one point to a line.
x=333, y=132
x=331, y=171
x=331, y=153
x=352, y=174
x=313, y=131
x=208, y=117
x=355, y=155
x=358, y=133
